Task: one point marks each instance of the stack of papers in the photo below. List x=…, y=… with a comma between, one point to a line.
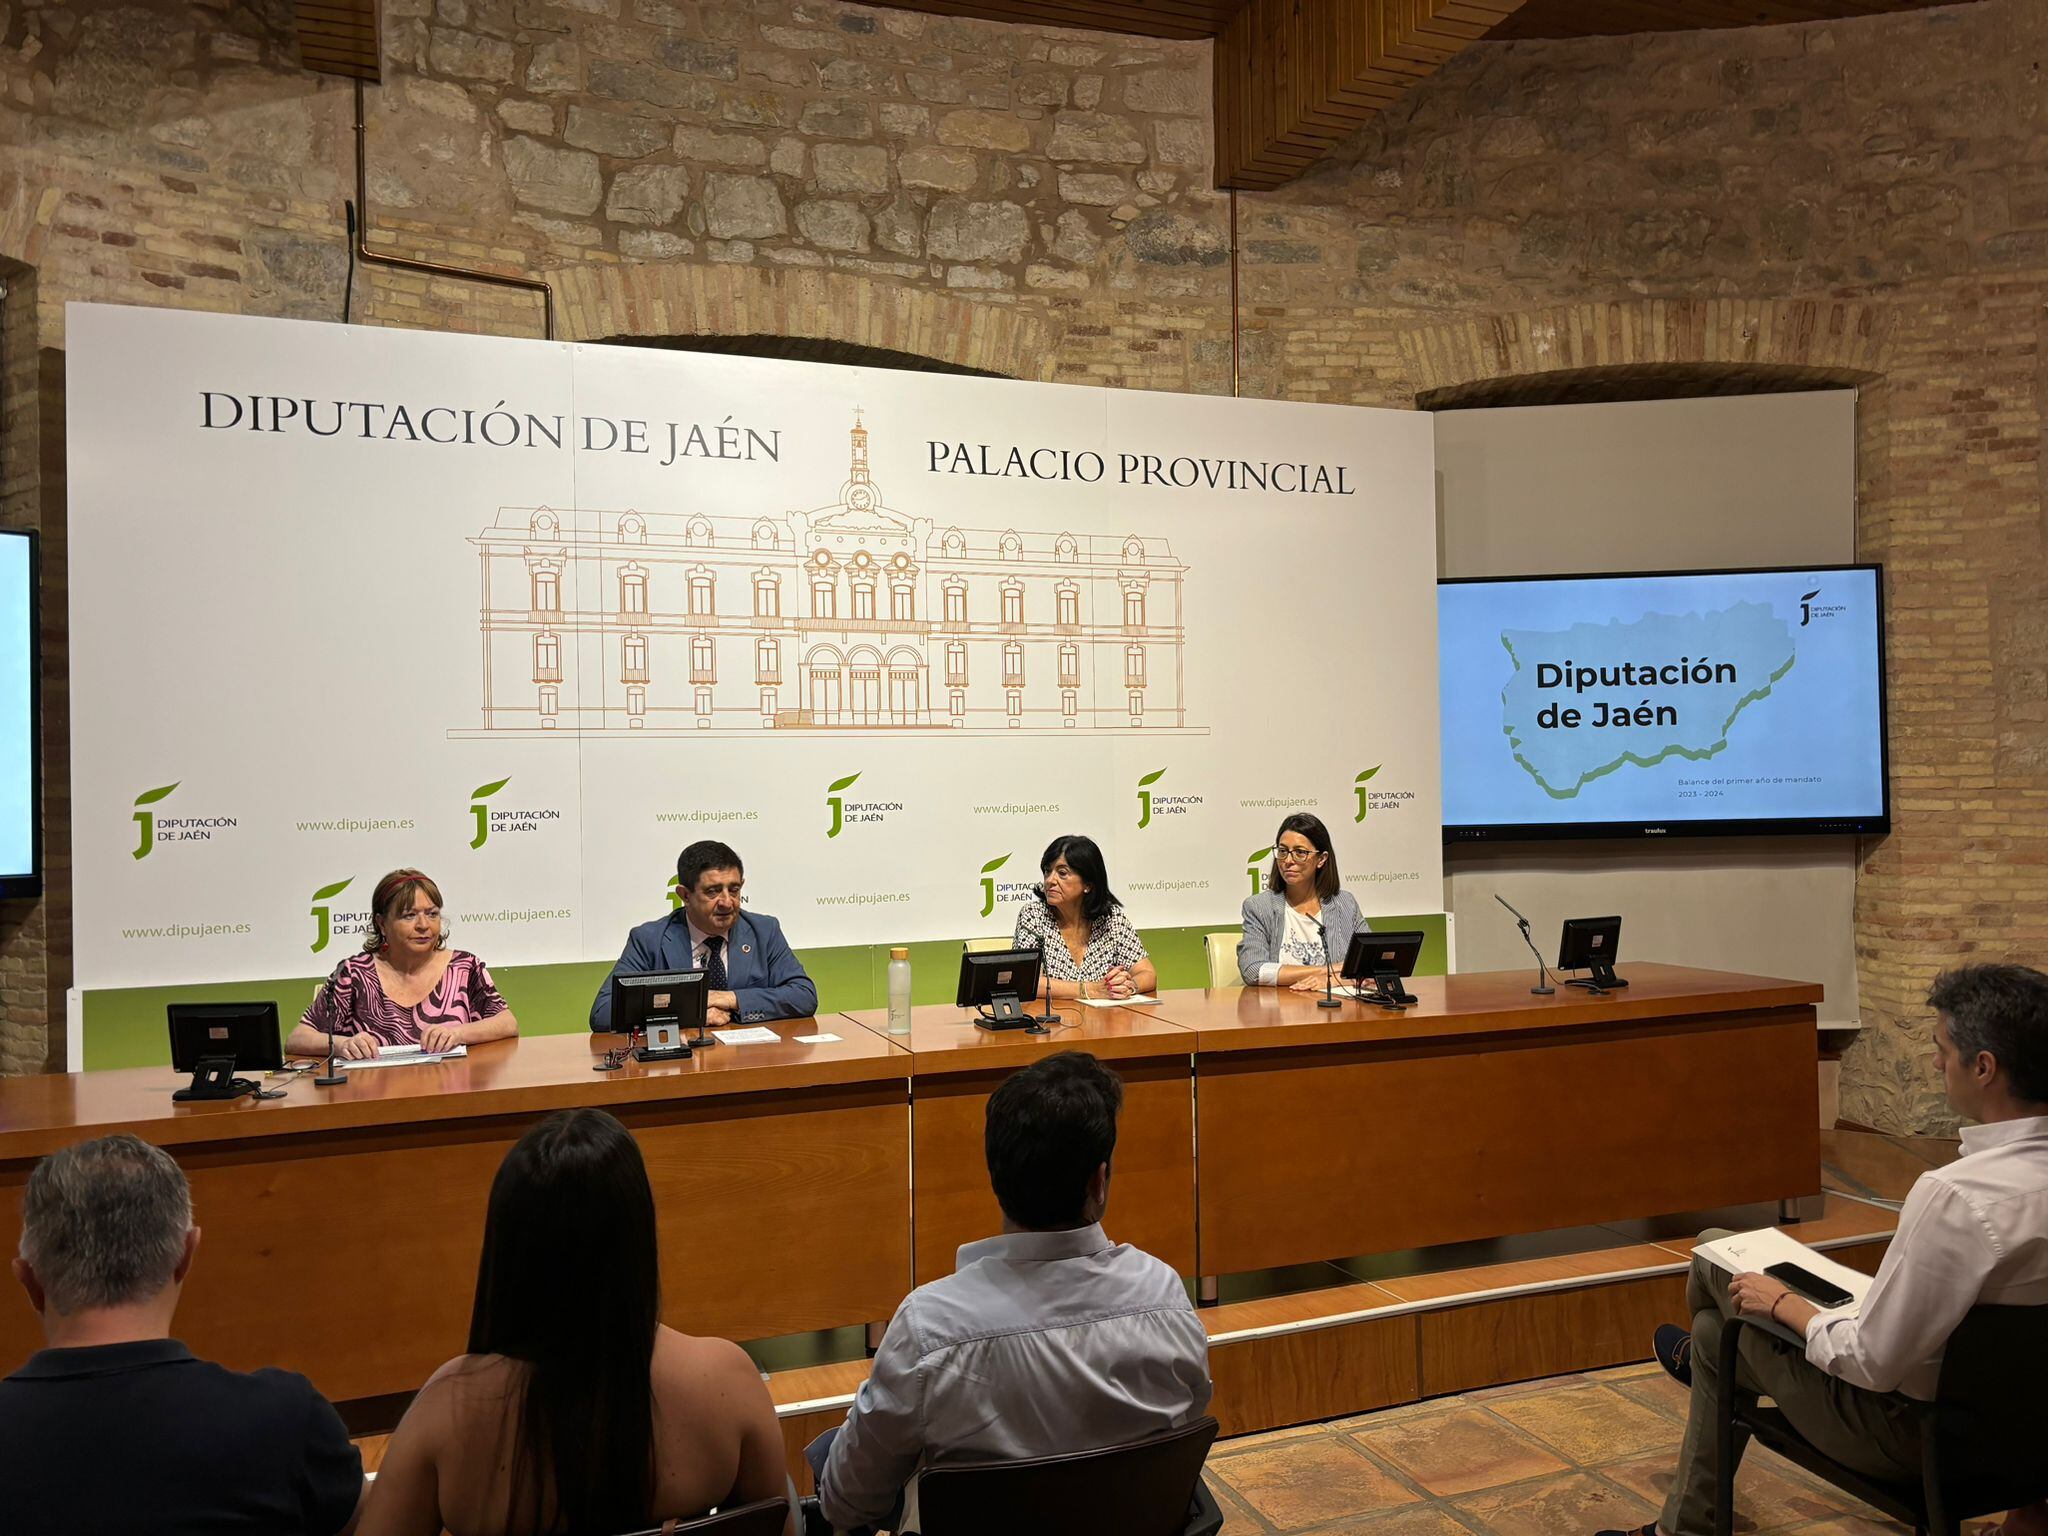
x=1743, y=1253
x=403, y=1056
x=752, y=1034
x=1118, y=1002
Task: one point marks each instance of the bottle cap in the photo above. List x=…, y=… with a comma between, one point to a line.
x=900, y=952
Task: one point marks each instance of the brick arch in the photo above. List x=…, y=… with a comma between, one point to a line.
x=676, y=298
x=25, y=218
x=1833, y=342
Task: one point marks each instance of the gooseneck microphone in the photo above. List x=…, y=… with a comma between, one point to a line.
x=1047, y=1017
x=1543, y=988
x=1329, y=998
x=330, y=1078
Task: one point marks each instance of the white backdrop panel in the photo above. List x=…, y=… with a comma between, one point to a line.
x=307, y=650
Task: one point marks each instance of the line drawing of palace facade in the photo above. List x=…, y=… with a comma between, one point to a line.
x=855, y=616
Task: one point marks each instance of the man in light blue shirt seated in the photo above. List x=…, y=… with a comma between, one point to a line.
x=749, y=972
x=1047, y=1340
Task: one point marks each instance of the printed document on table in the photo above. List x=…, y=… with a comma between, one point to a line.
x=1117, y=1002
x=403, y=1056
x=753, y=1035
x=1754, y=1252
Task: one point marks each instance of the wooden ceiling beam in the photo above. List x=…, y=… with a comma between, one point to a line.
x=1295, y=77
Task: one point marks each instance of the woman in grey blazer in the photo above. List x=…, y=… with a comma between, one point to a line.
x=1303, y=908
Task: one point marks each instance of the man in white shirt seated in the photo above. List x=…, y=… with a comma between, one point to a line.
x=1975, y=1231
x=1046, y=1340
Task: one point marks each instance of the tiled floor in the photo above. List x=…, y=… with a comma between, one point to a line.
x=1565, y=1457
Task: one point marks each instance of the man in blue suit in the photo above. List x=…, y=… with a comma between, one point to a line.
x=747, y=963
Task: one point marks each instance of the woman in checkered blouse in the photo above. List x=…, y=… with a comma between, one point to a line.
x=1090, y=947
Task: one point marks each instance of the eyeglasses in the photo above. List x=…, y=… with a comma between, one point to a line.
x=1294, y=855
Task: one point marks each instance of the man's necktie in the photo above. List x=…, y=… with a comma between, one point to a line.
x=714, y=964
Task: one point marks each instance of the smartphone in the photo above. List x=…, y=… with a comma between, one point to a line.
x=1821, y=1293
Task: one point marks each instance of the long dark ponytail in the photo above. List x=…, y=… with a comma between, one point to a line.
x=571, y=1219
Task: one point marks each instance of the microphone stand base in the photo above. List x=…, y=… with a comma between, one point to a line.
x=330, y=1080
x=1329, y=1002
x=1543, y=991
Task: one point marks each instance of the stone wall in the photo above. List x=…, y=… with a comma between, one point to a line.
x=1866, y=200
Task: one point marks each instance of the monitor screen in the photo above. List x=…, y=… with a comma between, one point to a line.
x=20, y=779
x=1664, y=704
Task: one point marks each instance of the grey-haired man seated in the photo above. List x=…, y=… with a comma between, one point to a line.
x=115, y=1426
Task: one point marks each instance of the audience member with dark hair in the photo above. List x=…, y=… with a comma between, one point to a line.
x=576, y=1411
x=1046, y=1340
x=1973, y=1232
x=748, y=966
x=115, y=1426
x=1090, y=947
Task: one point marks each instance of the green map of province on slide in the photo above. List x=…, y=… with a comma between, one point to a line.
x=1747, y=636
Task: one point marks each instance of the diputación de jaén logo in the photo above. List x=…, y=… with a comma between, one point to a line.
x=1254, y=865
x=1358, y=786
x=145, y=821
x=322, y=922
x=481, y=811
x=1145, y=797
x=834, y=799
x=988, y=884
x=1806, y=607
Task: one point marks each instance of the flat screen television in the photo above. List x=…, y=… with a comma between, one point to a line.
x=1664, y=704
x=21, y=820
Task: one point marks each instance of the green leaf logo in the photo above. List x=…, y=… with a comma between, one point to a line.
x=484, y=792
x=1257, y=855
x=151, y=796
x=995, y=864
x=1152, y=778
x=838, y=784
x=1364, y=795
x=329, y=892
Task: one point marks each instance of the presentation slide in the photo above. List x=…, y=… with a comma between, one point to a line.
x=17, y=707
x=1644, y=702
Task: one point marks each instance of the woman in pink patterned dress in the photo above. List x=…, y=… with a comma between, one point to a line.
x=406, y=987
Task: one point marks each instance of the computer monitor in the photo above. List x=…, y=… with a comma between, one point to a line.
x=214, y=1040
x=650, y=1000
x=999, y=982
x=1590, y=943
x=1383, y=959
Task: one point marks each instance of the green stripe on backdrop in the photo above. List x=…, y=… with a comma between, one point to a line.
x=124, y=1027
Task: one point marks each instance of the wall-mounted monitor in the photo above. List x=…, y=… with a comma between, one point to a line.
x=1664, y=704
x=21, y=818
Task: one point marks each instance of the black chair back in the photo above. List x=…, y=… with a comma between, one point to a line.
x=764, y=1517
x=1990, y=1418
x=1144, y=1489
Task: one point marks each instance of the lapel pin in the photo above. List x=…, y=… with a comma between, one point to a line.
x=746, y=949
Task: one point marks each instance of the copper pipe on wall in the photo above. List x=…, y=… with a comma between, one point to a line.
x=370, y=257
x=1234, y=390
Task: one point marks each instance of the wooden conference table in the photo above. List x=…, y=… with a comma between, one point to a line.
x=955, y=1066
x=1484, y=1112
x=795, y=1192
x=340, y=1226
